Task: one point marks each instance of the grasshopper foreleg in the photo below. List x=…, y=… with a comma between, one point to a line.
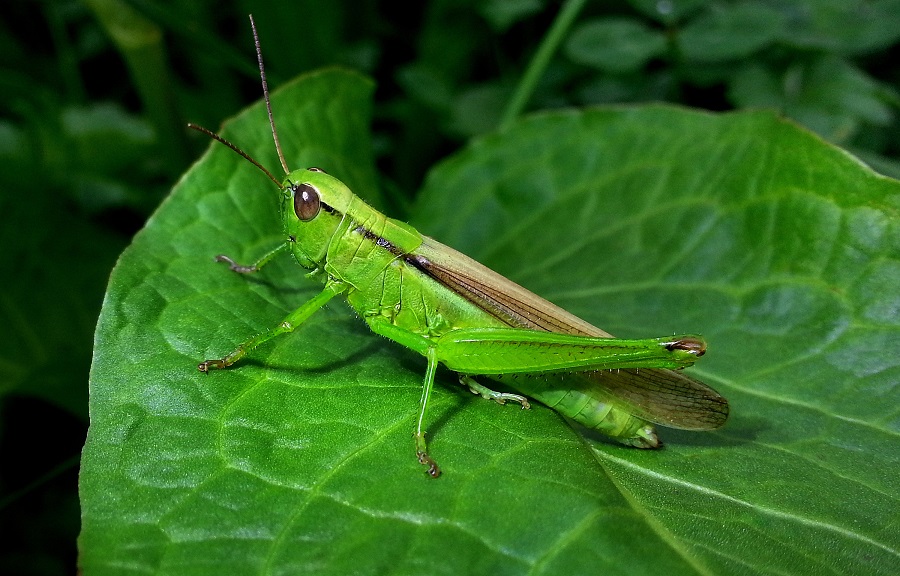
x=241, y=269
x=289, y=324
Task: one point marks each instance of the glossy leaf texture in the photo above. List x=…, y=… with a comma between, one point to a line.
x=782, y=250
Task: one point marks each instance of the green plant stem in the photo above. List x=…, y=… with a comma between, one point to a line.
x=181, y=21
x=140, y=42
x=541, y=59
x=68, y=65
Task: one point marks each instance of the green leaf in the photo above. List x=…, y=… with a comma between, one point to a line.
x=668, y=11
x=781, y=249
x=638, y=87
x=478, y=109
x=614, y=44
x=501, y=14
x=425, y=85
x=846, y=26
x=730, y=32
x=827, y=95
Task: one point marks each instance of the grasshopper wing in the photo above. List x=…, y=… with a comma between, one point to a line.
x=661, y=396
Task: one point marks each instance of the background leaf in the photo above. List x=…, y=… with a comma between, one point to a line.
x=781, y=249
x=614, y=44
x=827, y=95
x=848, y=27
x=731, y=31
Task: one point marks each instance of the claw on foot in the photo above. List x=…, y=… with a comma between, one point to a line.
x=208, y=365
x=424, y=459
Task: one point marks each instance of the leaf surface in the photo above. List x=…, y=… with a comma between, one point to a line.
x=780, y=249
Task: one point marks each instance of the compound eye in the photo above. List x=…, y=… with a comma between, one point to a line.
x=306, y=202
x=314, y=169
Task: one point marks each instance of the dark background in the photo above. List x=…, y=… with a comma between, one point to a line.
x=94, y=96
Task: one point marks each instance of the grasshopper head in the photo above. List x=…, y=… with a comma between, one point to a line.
x=313, y=207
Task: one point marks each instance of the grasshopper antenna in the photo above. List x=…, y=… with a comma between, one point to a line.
x=265, y=87
x=246, y=156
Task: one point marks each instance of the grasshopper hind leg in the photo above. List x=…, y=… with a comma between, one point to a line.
x=499, y=397
x=421, y=446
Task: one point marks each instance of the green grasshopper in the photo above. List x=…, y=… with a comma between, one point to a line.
x=456, y=312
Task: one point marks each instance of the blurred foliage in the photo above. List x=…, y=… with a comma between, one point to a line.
x=94, y=96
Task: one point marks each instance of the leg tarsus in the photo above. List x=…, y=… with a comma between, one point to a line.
x=208, y=365
x=235, y=267
x=421, y=447
x=499, y=397
x=241, y=269
x=424, y=459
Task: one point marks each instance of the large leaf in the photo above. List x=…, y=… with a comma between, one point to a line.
x=782, y=250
